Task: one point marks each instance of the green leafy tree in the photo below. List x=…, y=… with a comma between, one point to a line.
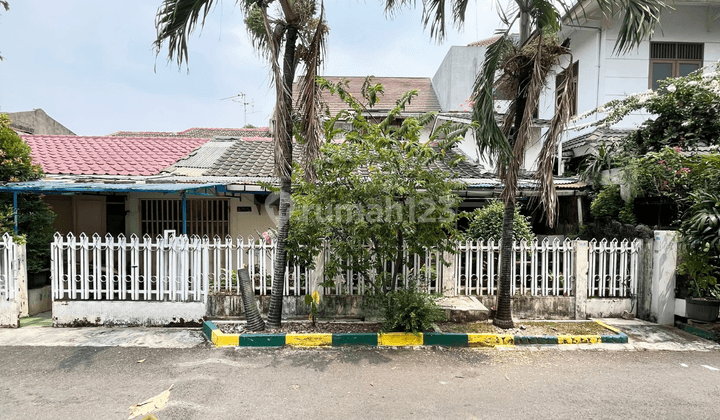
x=525, y=72
x=486, y=223
x=295, y=37
x=35, y=218
x=377, y=194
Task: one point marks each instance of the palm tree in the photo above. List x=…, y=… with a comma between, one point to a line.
x=5, y=5
x=524, y=69
x=300, y=31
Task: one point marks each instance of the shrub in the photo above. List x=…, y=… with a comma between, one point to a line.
x=35, y=218
x=410, y=310
x=486, y=223
x=608, y=203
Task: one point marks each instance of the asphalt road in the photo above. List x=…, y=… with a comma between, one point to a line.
x=209, y=383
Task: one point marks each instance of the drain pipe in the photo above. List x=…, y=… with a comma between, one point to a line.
x=15, y=212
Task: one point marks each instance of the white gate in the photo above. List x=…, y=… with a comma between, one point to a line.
x=9, y=265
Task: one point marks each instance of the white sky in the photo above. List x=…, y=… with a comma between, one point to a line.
x=89, y=64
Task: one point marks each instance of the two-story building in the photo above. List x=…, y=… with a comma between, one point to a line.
x=687, y=38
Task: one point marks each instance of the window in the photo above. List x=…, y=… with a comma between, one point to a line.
x=560, y=82
x=204, y=216
x=673, y=59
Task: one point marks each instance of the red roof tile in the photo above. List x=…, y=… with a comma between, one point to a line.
x=395, y=87
x=108, y=155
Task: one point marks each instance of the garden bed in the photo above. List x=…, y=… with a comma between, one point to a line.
x=533, y=328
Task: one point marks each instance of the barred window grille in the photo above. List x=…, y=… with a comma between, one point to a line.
x=673, y=59
x=204, y=216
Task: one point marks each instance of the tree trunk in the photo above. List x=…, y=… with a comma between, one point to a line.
x=252, y=314
x=503, y=313
x=398, y=259
x=280, y=262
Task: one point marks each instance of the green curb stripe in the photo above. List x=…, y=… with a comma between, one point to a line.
x=208, y=328
x=445, y=339
x=429, y=339
x=544, y=339
x=355, y=339
x=261, y=340
x=700, y=332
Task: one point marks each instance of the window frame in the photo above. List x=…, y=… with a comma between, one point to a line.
x=676, y=62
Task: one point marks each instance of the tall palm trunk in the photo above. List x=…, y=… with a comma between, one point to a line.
x=503, y=313
x=276, y=299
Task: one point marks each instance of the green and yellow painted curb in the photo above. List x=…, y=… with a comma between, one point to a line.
x=220, y=339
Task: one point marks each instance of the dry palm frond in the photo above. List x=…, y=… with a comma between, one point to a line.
x=282, y=139
x=309, y=104
x=546, y=159
x=524, y=132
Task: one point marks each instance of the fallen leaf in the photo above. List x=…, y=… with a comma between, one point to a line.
x=506, y=377
x=141, y=360
x=146, y=407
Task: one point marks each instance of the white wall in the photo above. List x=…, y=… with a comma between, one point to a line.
x=620, y=76
x=241, y=223
x=454, y=79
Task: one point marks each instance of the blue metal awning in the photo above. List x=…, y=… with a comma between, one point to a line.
x=69, y=188
x=59, y=187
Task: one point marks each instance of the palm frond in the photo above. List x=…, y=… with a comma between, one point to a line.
x=490, y=139
x=524, y=132
x=280, y=135
x=175, y=21
x=546, y=159
x=309, y=104
x=639, y=18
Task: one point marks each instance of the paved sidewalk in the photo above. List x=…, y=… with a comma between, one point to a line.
x=642, y=335
x=177, y=338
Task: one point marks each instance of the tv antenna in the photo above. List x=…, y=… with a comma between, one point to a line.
x=241, y=98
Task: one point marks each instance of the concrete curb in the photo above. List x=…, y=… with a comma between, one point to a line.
x=220, y=339
x=699, y=331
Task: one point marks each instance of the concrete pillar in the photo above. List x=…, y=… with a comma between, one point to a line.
x=644, y=276
x=662, y=306
x=581, y=278
x=22, y=281
x=449, y=273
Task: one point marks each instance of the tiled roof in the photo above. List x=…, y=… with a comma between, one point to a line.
x=249, y=157
x=254, y=157
x=108, y=155
x=395, y=87
x=201, y=133
x=484, y=42
x=597, y=137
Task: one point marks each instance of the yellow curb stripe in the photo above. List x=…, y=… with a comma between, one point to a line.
x=308, y=340
x=579, y=339
x=400, y=339
x=613, y=329
x=224, y=340
x=491, y=340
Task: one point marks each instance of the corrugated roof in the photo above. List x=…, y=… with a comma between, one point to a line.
x=50, y=187
x=108, y=155
x=201, y=159
x=199, y=132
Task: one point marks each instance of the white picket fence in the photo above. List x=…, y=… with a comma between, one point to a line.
x=613, y=268
x=8, y=267
x=172, y=269
x=181, y=268
x=539, y=268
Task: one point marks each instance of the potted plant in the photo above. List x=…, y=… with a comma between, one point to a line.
x=703, y=303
